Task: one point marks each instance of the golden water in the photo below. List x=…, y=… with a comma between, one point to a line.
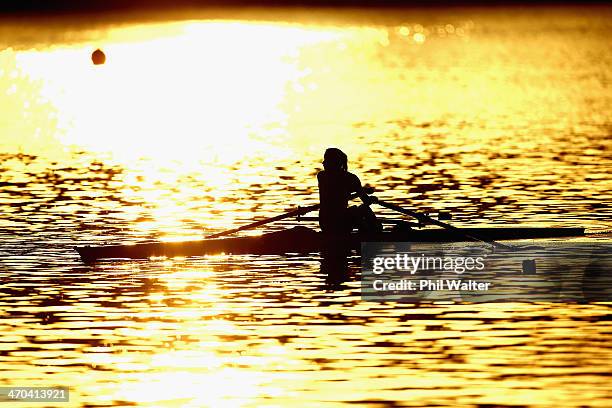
x=500, y=116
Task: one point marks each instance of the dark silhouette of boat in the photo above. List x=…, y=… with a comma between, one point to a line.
x=304, y=240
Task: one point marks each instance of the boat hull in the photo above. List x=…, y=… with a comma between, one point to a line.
x=304, y=240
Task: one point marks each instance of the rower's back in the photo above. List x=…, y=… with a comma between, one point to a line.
x=335, y=187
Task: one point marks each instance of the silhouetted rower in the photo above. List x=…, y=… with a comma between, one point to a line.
x=336, y=184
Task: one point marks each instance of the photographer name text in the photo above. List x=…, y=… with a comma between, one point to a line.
x=430, y=285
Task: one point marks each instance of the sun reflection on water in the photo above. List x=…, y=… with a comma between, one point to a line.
x=174, y=92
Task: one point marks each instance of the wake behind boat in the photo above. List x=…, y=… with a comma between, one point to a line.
x=305, y=240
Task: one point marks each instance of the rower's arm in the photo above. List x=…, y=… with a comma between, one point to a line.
x=363, y=192
x=364, y=196
x=368, y=199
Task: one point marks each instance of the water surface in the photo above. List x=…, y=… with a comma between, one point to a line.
x=197, y=125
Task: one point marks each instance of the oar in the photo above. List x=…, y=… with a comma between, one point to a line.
x=427, y=219
x=293, y=213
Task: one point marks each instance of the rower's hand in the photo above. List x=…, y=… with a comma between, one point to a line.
x=372, y=199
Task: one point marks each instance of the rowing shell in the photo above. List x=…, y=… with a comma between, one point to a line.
x=305, y=240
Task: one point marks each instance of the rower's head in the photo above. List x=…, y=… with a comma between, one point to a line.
x=335, y=159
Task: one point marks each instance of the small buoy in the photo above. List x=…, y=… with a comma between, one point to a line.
x=98, y=57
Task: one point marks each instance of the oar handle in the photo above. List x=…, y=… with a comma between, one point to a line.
x=428, y=219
